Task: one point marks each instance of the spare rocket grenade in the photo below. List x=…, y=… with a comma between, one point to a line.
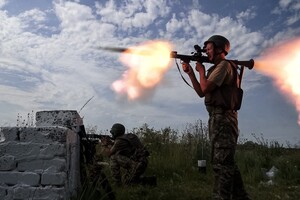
x=247, y=63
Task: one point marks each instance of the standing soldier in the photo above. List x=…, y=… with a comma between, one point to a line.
x=218, y=88
x=126, y=152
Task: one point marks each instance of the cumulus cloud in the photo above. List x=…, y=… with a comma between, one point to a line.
x=71, y=14
x=33, y=15
x=132, y=14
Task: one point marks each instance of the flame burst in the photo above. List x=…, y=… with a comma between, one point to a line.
x=147, y=65
x=282, y=63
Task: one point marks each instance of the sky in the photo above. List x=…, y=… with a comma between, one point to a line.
x=50, y=60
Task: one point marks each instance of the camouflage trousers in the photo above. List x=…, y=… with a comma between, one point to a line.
x=223, y=132
x=132, y=169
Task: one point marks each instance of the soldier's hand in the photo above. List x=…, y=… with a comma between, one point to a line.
x=186, y=67
x=200, y=67
x=106, y=141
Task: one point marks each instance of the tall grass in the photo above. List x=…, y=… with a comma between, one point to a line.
x=173, y=159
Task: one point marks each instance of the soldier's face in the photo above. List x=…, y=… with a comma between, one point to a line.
x=210, y=51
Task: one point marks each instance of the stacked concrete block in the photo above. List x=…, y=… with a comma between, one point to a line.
x=41, y=162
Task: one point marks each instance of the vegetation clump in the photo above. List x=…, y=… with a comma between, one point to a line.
x=173, y=159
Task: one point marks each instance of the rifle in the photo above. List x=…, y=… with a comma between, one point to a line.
x=94, y=172
x=105, y=139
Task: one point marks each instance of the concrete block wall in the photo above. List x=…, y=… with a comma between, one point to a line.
x=41, y=162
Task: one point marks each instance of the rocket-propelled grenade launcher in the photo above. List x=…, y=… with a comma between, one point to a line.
x=197, y=56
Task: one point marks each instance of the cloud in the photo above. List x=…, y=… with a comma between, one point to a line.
x=2, y=3
x=72, y=15
x=285, y=3
x=34, y=15
x=59, y=60
x=289, y=6
x=292, y=20
x=246, y=15
x=174, y=25
x=132, y=14
x=8, y=26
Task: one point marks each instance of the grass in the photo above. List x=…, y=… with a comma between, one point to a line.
x=191, y=184
x=174, y=161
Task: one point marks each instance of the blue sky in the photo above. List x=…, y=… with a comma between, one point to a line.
x=49, y=59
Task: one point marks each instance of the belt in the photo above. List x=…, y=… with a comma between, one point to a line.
x=219, y=110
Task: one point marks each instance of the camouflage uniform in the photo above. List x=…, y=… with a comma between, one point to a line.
x=223, y=133
x=128, y=153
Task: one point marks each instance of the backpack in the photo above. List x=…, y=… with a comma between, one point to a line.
x=237, y=96
x=138, y=149
x=229, y=97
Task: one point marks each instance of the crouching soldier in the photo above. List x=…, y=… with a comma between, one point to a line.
x=126, y=152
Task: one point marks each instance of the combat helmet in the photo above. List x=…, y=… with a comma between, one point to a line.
x=219, y=41
x=117, y=130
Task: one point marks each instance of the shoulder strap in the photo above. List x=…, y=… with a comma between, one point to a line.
x=182, y=75
x=238, y=76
